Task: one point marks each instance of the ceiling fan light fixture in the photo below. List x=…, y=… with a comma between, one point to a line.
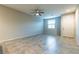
x=37, y=14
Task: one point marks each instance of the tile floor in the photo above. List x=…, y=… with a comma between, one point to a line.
x=41, y=44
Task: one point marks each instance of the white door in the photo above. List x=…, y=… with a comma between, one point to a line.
x=68, y=25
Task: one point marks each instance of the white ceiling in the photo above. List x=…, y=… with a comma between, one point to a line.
x=51, y=10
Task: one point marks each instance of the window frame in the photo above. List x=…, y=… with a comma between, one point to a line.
x=51, y=25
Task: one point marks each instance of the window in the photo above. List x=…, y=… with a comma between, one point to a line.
x=51, y=23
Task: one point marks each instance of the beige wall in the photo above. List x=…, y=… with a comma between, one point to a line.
x=14, y=24
x=77, y=25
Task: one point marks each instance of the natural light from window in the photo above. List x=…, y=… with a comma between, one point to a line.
x=51, y=24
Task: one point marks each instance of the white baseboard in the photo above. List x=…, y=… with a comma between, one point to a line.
x=19, y=37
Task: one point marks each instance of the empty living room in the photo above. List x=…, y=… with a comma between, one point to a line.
x=39, y=29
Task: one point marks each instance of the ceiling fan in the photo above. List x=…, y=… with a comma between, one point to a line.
x=37, y=12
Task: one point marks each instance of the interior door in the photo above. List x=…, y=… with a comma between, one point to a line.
x=68, y=25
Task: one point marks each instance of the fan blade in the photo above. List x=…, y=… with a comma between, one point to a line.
x=41, y=12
